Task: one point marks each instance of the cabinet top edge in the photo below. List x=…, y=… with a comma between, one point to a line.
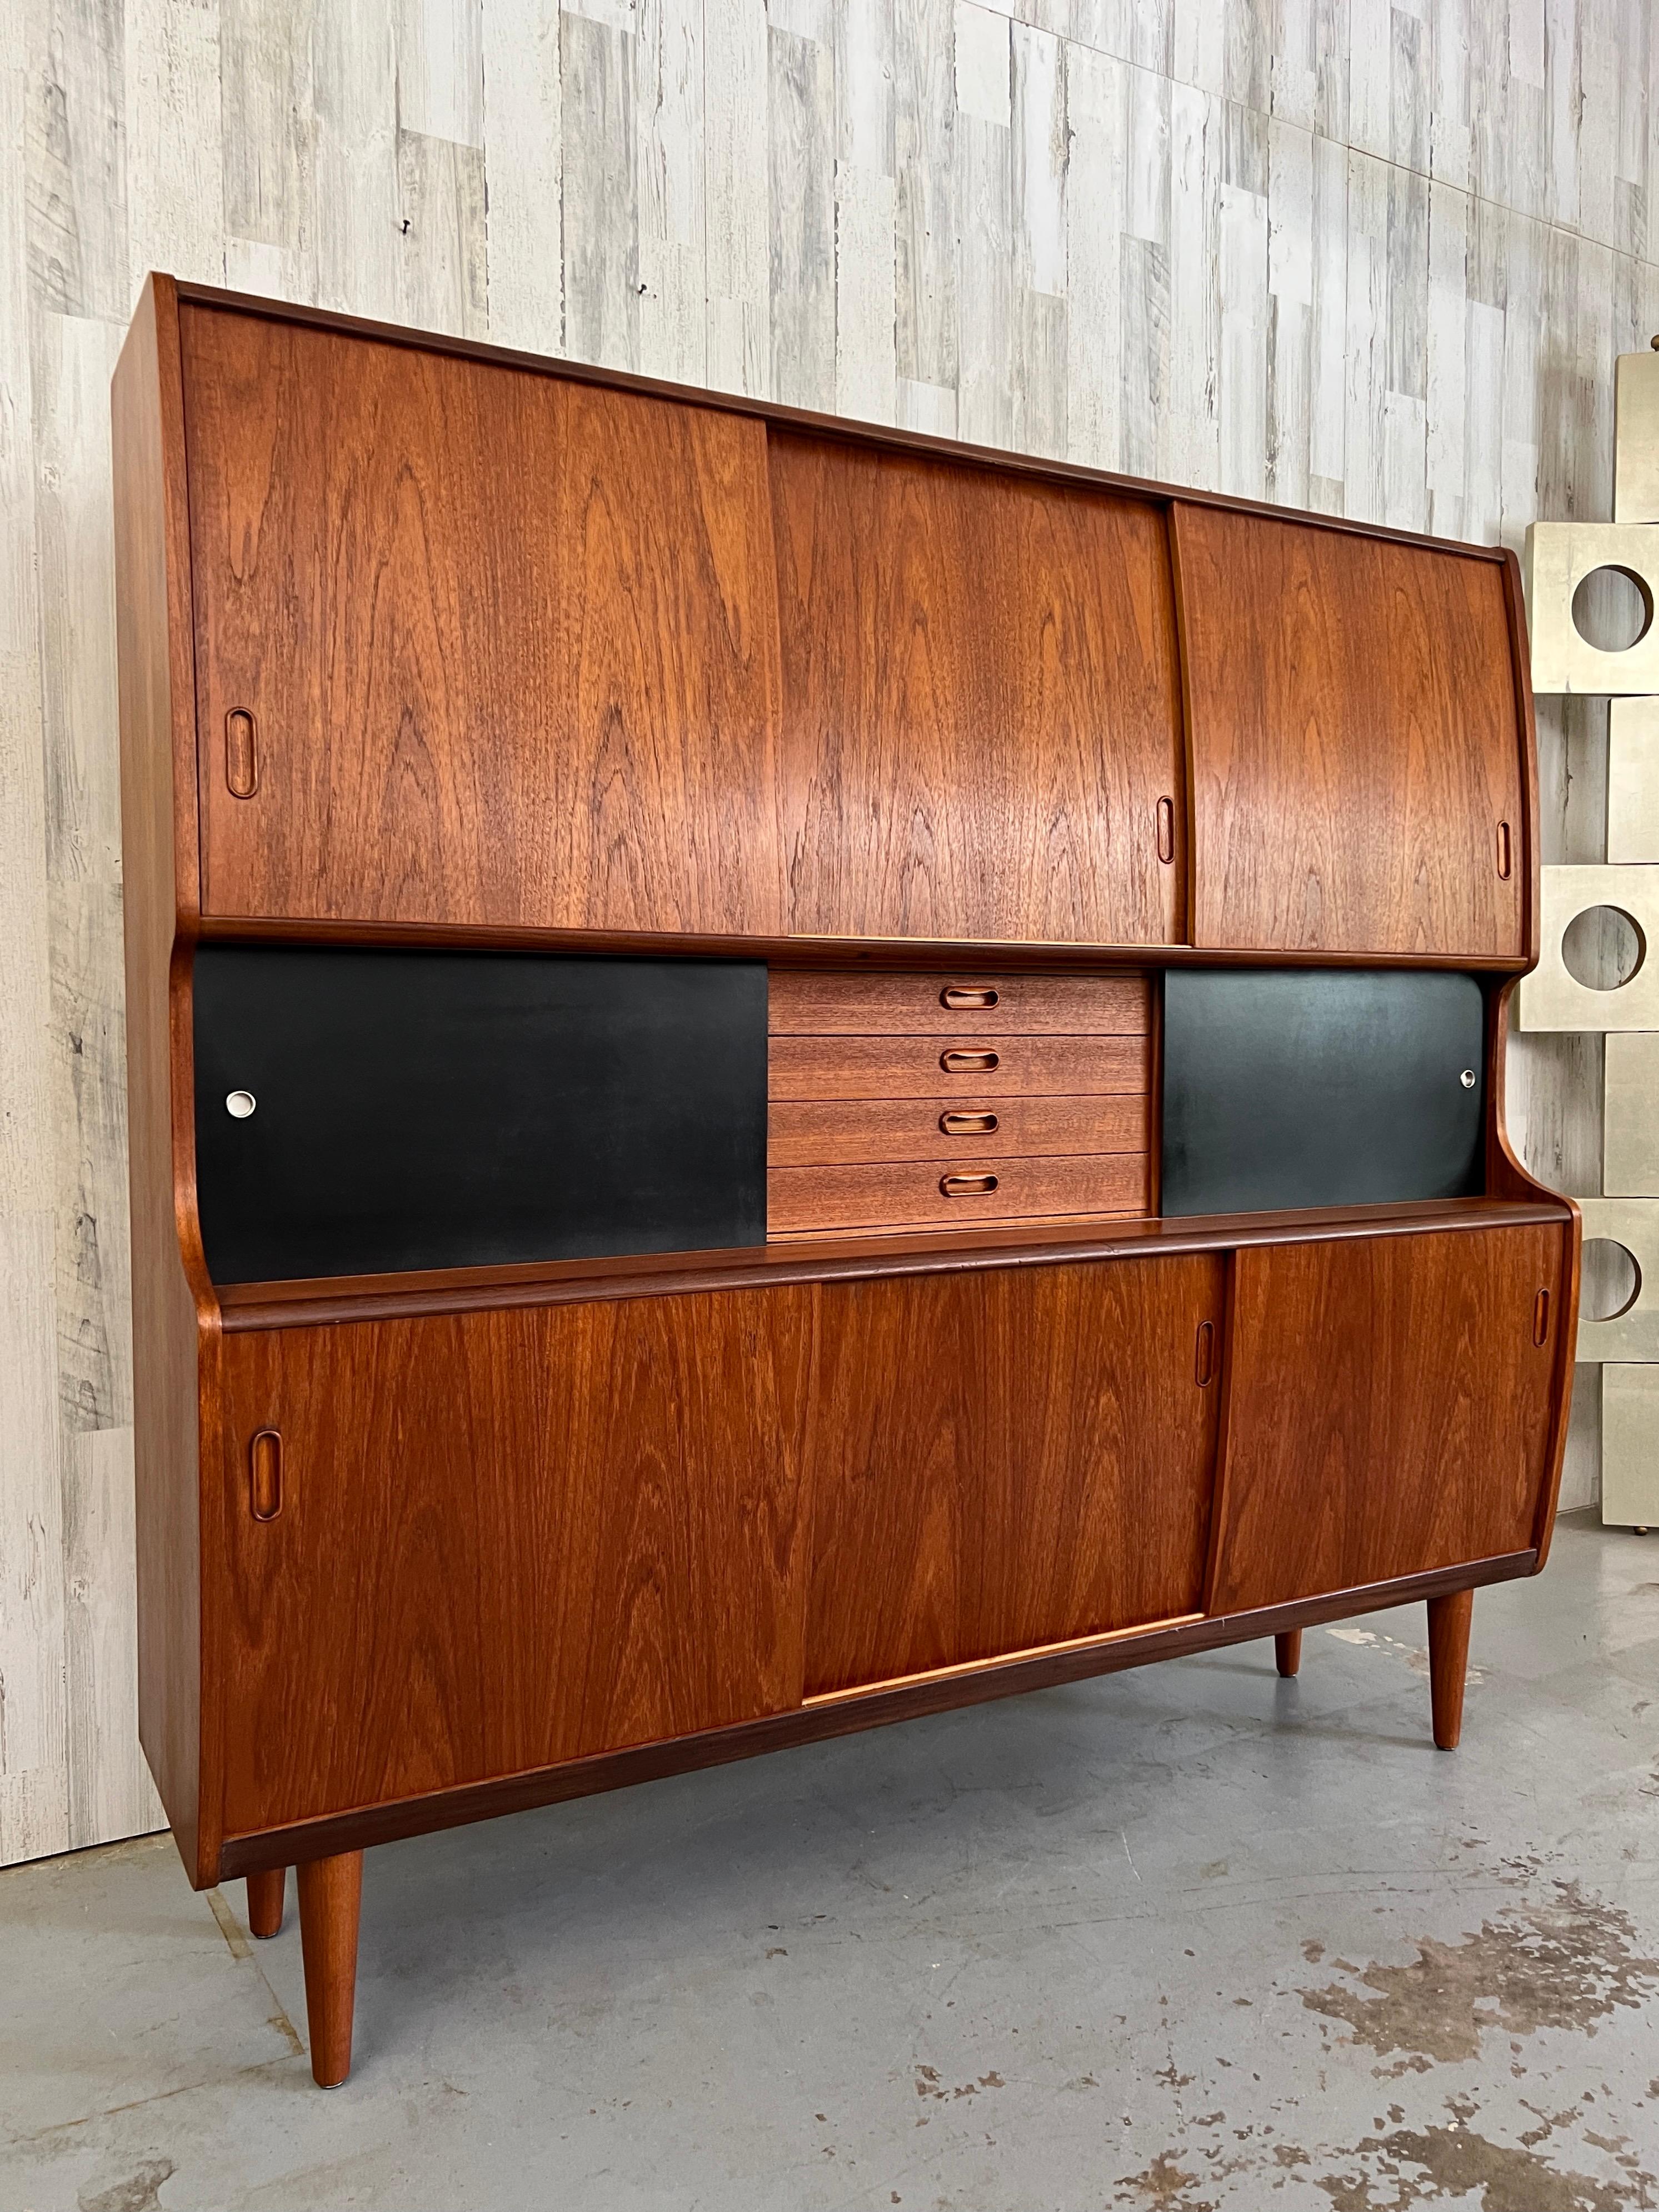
x=845, y=955
x=846, y=428
x=255, y=1306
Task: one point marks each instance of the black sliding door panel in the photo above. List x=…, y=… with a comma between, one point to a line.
x=1297, y=1087
x=447, y=1110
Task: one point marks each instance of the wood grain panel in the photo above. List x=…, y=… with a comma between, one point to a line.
x=509, y=642
x=813, y=1133
x=803, y=1002
x=980, y=708
x=509, y=1538
x=1007, y=1460
x=1388, y=1411
x=1355, y=744
x=912, y=1067
x=158, y=819
x=912, y=1191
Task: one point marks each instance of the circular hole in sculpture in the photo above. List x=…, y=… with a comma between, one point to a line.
x=1603, y=947
x=1610, y=1282
x=1612, y=609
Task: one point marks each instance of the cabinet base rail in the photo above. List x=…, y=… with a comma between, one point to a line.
x=240, y=1854
x=330, y=1880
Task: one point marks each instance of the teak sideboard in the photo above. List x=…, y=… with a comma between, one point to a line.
x=781, y=1075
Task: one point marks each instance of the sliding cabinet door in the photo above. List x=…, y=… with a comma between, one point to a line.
x=1010, y=1458
x=1389, y=1409
x=981, y=733
x=1357, y=742
x=475, y=644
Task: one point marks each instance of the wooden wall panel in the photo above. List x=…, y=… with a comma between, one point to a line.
x=980, y=703
x=1007, y=1459
x=400, y=555
x=1355, y=742
x=488, y=1572
x=1387, y=1408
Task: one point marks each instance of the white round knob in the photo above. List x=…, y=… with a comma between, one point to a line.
x=238, y=1104
x=1466, y=1079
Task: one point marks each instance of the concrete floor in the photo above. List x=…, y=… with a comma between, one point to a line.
x=1186, y=1938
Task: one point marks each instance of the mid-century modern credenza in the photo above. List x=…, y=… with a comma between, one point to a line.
x=783, y=1075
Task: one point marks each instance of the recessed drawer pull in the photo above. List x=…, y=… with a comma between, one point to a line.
x=1166, y=830
x=968, y=995
x=1503, y=850
x=1204, y=1357
x=265, y=1459
x=969, y=1063
x=971, y=1186
x=1541, y=1317
x=241, y=756
x=968, y=1125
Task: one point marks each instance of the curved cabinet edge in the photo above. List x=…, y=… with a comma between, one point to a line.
x=1520, y=659
x=1508, y=1177
x=175, y=1312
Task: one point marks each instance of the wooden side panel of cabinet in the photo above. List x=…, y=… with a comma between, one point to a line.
x=1389, y=1407
x=505, y=644
x=980, y=711
x=507, y=1539
x=159, y=850
x=1356, y=741
x=1007, y=1460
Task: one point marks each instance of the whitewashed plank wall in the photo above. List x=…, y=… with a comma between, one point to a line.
x=1372, y=258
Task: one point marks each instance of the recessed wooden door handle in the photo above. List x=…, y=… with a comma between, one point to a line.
x=1204, y=1356
x=1541, y=1317
x=968, y=1125
x=969, y=1063
x=958, y=995
x=241, y=754
x=969, y=1186
x=1504, y=849
x=265, y=1459
x=1166, y=829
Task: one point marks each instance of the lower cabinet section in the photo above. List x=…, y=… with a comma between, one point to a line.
x=1009, y=1459
x=464, y=1547
x=506, y=1540
x=1389, y=1407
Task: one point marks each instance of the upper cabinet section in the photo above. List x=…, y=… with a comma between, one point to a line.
x=980, y=727
x=475, y=644
x=1356, y=741
x=480, y=646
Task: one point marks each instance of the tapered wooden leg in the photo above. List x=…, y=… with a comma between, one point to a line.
x=1287, y=1652
x=266, y=1895
x=331, y=1893
x=1449, y=1656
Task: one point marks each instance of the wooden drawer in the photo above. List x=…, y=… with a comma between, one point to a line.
x=823, y=1005
x=917, y=1067
x=817, y=1132
x=908, y=1193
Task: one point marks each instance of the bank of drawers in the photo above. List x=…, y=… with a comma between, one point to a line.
x=906, y=1101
